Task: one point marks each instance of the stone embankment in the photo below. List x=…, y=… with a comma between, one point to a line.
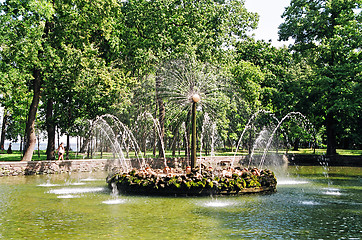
x=110, y=165
x=55, y=167
x=336, y=160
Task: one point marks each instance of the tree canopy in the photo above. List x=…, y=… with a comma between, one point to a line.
x=65, y=62
x=328, y=34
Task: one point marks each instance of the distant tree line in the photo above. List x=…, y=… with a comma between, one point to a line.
x=63, y=63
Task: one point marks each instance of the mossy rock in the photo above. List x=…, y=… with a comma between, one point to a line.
x=194, y=184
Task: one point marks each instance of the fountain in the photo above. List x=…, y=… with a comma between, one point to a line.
x=208, y=131
x=135, y=176
x=199, y=181
x=192, y=87
x=202, y=180
x=265, y=137
x=188, y=84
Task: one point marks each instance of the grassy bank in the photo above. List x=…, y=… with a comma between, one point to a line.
x=41, y=156
x=37, y=156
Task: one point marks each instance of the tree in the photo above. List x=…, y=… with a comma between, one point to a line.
x=15, y=100
x=262, y=78
x=158, y=30
x=328, y=32
x=59, y=46
x=24, y=27
x=268, y=82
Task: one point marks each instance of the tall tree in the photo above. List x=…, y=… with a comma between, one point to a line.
x=59, y=46
x=26, y=28
x=329, y=33
x=87, y=81
x=157, y=30
x=15, y=100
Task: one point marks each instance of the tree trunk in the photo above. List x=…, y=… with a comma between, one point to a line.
x=250, y=143
x=206, y=146
x=161, y=118
x=174, y=140
x=3, y=129
x=21, y=144
x=85, y=143
x=67, y=148
x=30, y=125
x=38, y=146
x=101, y=143
x=155, y=135
x=331, y=135
x=154, y=141
x=50, y=130
x=78, y=144
x=58, y=136
x=144, y=143
x=296, y=144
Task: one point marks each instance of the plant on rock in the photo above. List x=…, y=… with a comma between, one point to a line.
x=205, y=182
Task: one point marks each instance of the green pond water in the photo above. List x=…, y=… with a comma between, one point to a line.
x=310, y=203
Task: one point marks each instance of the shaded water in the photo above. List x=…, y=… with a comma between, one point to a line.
x=308, y=205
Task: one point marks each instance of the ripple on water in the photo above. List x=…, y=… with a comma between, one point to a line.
x=76, y=190
x=291, y=182
x=67, y=196
x=48, y=185
x=91, y=179
x=311, y=203
x=332, y=191
x=218, y=204
x=77, y=183
x=114, y=201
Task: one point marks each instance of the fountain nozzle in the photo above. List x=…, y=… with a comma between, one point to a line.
x=196, y=98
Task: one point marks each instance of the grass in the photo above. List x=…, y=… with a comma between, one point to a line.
x=16, y=155
x=343, y=152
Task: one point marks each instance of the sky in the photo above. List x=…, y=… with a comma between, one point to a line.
x=270, y=12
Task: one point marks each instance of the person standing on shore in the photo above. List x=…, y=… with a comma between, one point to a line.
x=9, y=151
x=61, y=151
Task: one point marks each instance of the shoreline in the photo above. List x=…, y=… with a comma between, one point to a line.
x=315, y=160
x=17, y=168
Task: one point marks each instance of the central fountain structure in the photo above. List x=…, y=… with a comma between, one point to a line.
x=188, y=85
x=192, y=181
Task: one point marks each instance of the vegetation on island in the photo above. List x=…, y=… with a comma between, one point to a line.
x=63, y=63
x=205, y=182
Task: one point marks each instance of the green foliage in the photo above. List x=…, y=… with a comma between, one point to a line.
x=65, y=41
x=327, y=34
x=104, y=56
x=248, y=79
x=153, y=30
x=266, y=74
x=15, y=99
x=190, y=183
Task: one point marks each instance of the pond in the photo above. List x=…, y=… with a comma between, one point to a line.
x=311, y=202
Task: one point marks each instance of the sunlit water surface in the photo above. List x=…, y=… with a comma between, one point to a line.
x=311, y=203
